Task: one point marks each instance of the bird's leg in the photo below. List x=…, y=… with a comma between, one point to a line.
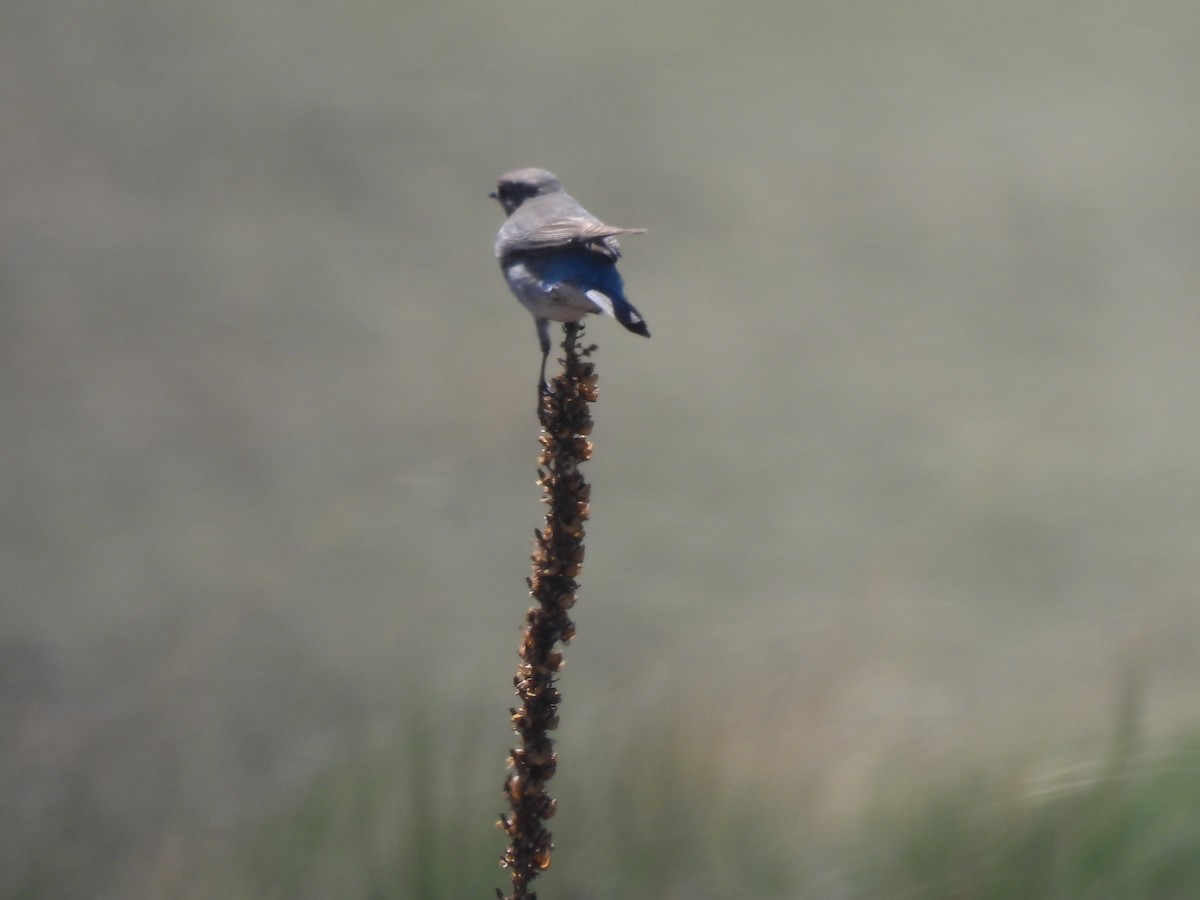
x=543, y=330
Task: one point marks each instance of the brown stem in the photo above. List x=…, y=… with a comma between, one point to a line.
x=557, y=558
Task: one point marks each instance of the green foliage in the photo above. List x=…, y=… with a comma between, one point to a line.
x=667, y=821
x=377, y=827
x=1131, y=833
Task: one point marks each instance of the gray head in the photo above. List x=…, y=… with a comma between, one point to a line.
x=515, y=187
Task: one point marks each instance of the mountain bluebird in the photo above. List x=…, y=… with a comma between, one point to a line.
x=559, y=260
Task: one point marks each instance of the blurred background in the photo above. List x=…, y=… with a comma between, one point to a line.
x=893, y=573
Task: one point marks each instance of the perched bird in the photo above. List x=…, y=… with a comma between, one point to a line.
x=559, y=260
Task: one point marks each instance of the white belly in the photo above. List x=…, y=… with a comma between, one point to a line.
x=560, y=302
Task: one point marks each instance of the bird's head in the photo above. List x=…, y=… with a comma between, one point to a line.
x=515, y=187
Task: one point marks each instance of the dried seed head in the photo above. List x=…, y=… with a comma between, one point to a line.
x=556, y=558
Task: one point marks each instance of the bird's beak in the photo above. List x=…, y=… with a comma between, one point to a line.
x=494, y=195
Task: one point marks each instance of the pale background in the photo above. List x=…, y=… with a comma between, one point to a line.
x=906, y=479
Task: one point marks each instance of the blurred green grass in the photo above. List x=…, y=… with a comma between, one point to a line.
x=906, y=476
x=664, y=817
x=1128, y=831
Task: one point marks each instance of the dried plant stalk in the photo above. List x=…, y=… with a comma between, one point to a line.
x=557, y=558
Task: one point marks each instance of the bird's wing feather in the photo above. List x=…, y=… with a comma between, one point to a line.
x=602, y=300
x=571, y=231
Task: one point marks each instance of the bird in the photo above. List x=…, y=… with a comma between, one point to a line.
x=559, y=260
